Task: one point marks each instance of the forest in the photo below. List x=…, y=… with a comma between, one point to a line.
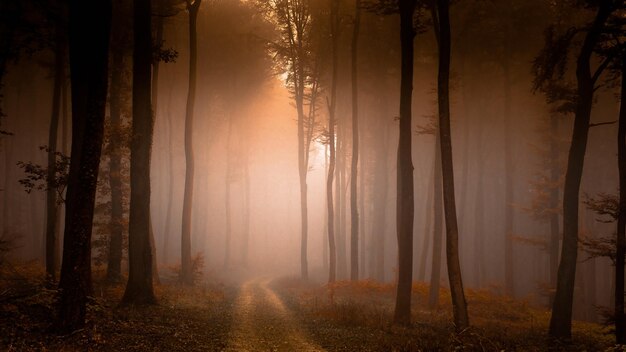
x=312, y=175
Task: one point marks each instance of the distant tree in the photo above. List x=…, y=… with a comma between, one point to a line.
x=354, y=211
x=332, y=106
x=139, y=289
x=186, y=268
x=89, y=26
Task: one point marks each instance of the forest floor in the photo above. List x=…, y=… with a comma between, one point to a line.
x=276, y=315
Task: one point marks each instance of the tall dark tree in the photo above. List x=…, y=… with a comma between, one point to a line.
x=139, y=288
x=186, y=270
x=354, y=211
x=332, y=105
x=89, y=27
x=405, y=197
x=620, y=322
x=459, y=305
x=561, y=319
x=52, y=204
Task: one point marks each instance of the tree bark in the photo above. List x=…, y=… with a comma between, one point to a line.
x=561, y=319
x=435, y=268
x=459, y=305
x=114, y=260
x=509, y=170
x=89, y=27
x=405, y=197
x=620, y=322
x=186, y=269
x=354, y=211
x=139, y=289
x=52, y=205
x=334, y=30
x=555, y=235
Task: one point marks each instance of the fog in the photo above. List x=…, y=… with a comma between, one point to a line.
x=246, y=218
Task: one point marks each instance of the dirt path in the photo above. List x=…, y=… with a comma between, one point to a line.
x=262, y=322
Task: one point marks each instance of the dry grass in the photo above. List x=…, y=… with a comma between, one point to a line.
x=499, y=323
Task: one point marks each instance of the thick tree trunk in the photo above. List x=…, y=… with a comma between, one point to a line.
x=405, y=197
x=114, y=260
x=561, y=319
x=186, y=274
x=354, y=211
x=89, y=45
x=139, y=288
x=51, y=194
x=459, y=305
x=620, y=322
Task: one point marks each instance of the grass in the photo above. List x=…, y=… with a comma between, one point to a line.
x=362, y=312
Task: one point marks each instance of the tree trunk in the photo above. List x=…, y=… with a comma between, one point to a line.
x=620, y=323
x=405, y=197
x=334, y=24
x=114, y=260
x=245, y=253
x=340, y=236
x=561, y=319
x=459, y=305
x=479, y=213
x=170, y=188
x=354, y=211
x=421, y=270
x=381, y=189
x=51, y=193
x=186, y=269
x=509, y=170
x=435, y=268
x=555, y=235
x=139, y=288
x=89, y=26
x=227, y=179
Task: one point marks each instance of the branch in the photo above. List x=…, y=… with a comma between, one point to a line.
x=602, y=123
x=601, y=68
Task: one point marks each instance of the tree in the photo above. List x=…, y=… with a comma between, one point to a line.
x=405, y=197
x=186, y=266
x=620, y=321
x=561, y=318
x=294, y=21
x=139, y=288
x=459, y=305
x=354, y=211
x=334, y=33
x=89, y=26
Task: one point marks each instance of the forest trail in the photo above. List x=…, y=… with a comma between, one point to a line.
x=262, y=322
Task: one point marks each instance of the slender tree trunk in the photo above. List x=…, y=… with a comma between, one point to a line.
x=114, y=260
x=334, y=24
x=354, y=211
x=246, y=216
x=479, y=214
x=620, y=322
x=555, y=235
x=155, y=100
x=421, y=270
x=381, y=187
x=170, y=189
x=509, y=170
x=325, y=242
x=186, y=269
x=89, y=27
x=459, y=305
x=435, y=268
x=405, y=197
x=561, y=319
x=227, y=179
x=302, y=173
x=51, y=194
x=139, y=288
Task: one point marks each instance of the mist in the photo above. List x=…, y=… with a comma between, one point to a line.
x=265, y=92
